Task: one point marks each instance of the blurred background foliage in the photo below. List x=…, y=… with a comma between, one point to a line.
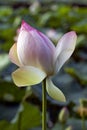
x=54, y=18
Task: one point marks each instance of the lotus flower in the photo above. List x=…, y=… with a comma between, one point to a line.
x=38, y=58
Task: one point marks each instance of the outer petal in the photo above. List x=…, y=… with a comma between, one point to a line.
x=28, y=75
x=54, y=92
x=64, y=49
x=13, y=55
x=35, y=49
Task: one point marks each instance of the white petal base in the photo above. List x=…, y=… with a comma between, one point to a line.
x=54, y=92
x=13, y=55
x=28, y=75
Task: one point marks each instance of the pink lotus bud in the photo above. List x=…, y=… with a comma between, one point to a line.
x=38, y=58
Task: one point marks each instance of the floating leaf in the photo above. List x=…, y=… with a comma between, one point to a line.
x=29, y=116
x=10, y=92
x=4, y=61
x=81, y=78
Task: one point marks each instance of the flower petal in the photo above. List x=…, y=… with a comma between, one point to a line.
x=64, y=49
x=28, y=75
x=53, y=91
x=13, y=55
x=35, y=49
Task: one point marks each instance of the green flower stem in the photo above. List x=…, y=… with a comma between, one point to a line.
x=63, y=126
x=19, y=121
x=44, y=103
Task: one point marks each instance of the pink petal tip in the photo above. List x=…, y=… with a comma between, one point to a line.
x=26, y=26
